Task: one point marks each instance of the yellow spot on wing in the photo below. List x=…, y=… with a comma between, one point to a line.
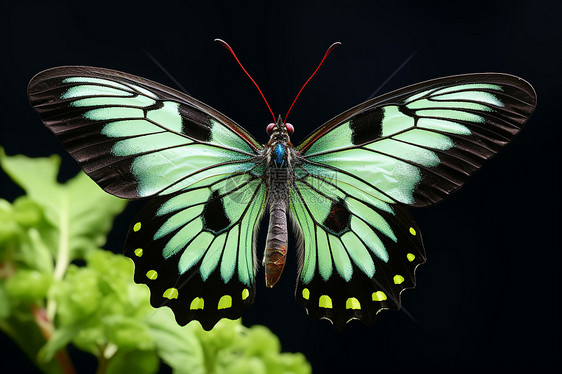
x=398, y=279
x=379, y=296
x=225, y=302
x=245, y=293
x=352, y=303
x=325, y=302
x=152, y=274
x=411, y=257
x=171, y=293
x=138, y=252
x=137, y=227
x=412, y=231
x=197, y=303
x=305, y=293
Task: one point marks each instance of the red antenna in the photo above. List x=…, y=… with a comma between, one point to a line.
x=225, y=45
x=330, y=49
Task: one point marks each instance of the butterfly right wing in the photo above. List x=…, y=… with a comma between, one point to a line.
x=419, y=144
x=414, y=146
x=357, y=252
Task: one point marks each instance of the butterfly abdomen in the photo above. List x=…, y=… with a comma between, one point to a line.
x=275, y=254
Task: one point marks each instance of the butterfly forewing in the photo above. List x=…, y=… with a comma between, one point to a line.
x=414, y=146
x=421, y=143
x=135, y=137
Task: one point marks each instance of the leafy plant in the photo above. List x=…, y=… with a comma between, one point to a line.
x=47, y=301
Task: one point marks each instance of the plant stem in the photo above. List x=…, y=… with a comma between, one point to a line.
x=102, y=362
x=63, y=254
x=46, y=327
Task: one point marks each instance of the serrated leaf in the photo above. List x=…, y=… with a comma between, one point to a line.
x=82, y=212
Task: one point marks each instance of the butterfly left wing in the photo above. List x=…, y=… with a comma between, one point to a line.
x=359, y=246
x=134, y=137
x=193, y=243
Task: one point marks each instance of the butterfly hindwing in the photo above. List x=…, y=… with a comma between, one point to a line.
x=358, y=253
x=135, y=137
x=415, y=146
x=195, y=248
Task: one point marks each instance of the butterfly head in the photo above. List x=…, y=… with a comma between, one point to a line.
x=280, y=130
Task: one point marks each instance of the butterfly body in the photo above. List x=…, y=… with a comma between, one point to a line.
x=280, y=156
x=345, y=188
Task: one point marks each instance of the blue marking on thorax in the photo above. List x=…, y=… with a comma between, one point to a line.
x=279, y=154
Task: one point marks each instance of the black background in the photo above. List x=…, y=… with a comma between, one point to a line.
x=488, y=297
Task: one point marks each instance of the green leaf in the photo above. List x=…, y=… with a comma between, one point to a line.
x=27, y=213
x=38, y=176
x=177, y=346
x=35, y=252
x=128, y=333
x=9, y=228
x=80, y=210
x=138, y=362
x=78, y=296
x=23, y=231
x=28, y=286
x=232, y=348
x=261, y=342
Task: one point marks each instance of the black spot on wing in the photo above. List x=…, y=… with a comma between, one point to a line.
x=195, y=124
x=366, y=127
x=214, y=215
x=338, y=219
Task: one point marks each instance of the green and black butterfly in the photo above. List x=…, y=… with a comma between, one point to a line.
x=345, y=187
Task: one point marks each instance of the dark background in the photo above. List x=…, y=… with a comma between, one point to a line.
x=488, y=297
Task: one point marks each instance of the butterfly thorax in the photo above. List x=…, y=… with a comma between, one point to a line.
x=279, y=155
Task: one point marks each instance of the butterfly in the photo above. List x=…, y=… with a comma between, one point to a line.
x=345, y=188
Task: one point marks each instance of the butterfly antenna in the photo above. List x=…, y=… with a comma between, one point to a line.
x=225, y=45
x=330, y=49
